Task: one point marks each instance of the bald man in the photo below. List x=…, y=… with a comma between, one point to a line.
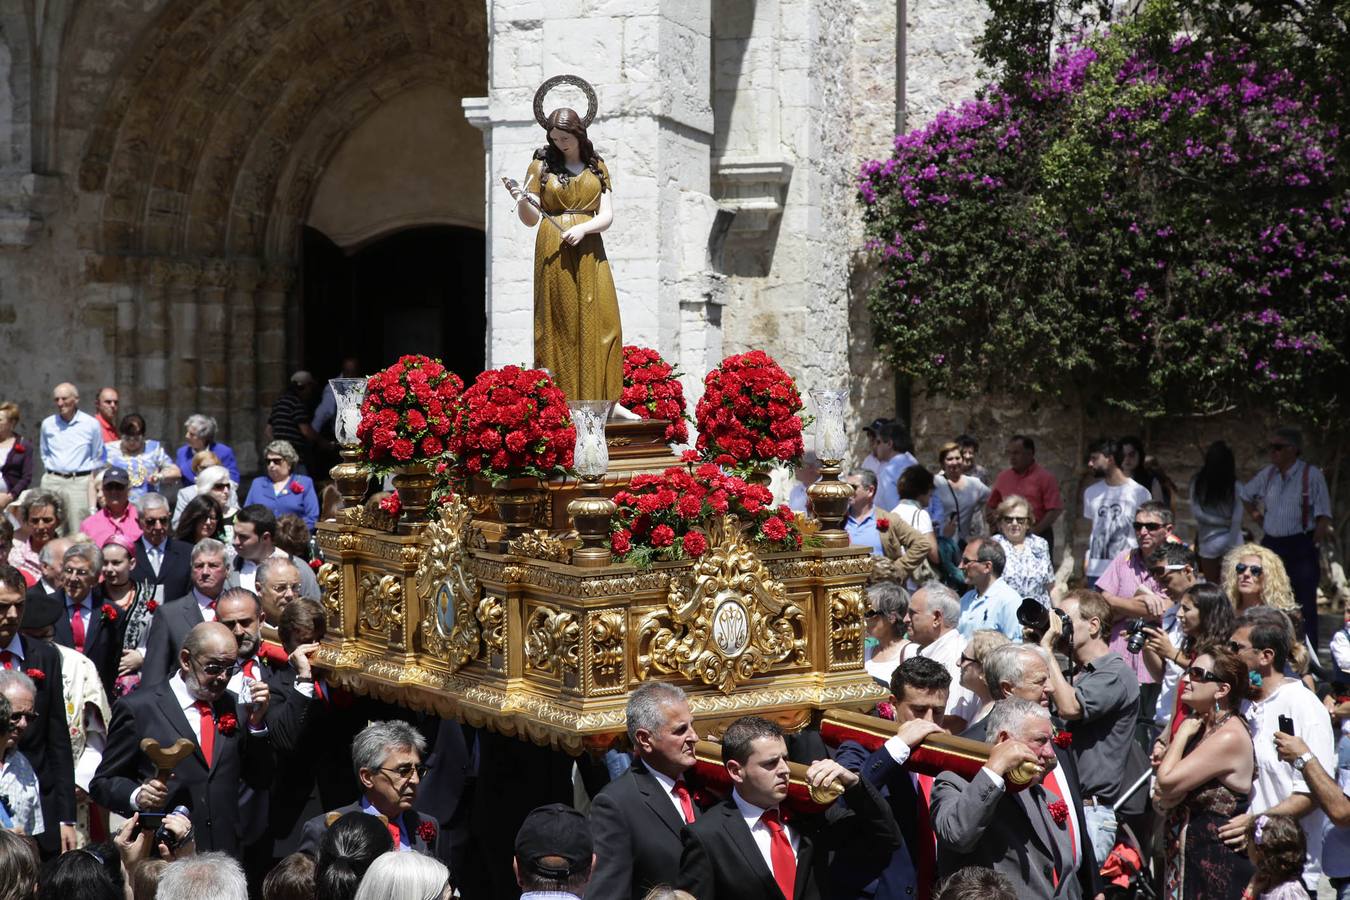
x=71, y=449
x=231, y=745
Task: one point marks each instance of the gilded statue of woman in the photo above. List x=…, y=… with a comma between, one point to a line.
x=577, y=335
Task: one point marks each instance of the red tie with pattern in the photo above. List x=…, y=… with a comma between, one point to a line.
x=208, y=730
x=780, y=851
x=77, y=626
x=686, y=802
x=395, y=832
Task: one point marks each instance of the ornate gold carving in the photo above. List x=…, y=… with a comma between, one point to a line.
x=375, y=518
x=618, y=441
x=448, y=589
x=553, y=641
x=538, y=544
x=330, y=594
x=380, y=602
x=492, y=618
x=726, y=622
x=607, y=632
x=846, y=628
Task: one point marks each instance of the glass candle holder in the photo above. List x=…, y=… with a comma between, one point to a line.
x=831, y=436
x=349, y=394
x=590, y=457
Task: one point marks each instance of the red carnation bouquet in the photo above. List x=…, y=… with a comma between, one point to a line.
x=652, y=389
x=513, y=422
x=407, y=413
x=749, y=414
x=659, y=516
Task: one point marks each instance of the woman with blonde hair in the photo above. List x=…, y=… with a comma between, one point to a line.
x=1254, y=576
x=1028, y=569
x=981, y=644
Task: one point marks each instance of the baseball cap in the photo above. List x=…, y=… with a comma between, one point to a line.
x=116, y=475
x=555, y=832
x=40, y=612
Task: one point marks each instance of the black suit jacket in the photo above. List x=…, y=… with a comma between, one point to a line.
x=175, y=572
x=46, y=743
x=169, y=627
x=413, y=825
x=37, y=592
x=16, y=473
x=721, y=859
x=102, y=637
x=636, y=832
x=213, y=794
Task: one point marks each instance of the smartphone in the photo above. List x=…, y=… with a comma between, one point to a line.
x=150, y=821
x=1286, y=725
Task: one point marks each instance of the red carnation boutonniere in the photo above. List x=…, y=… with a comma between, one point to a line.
x=151, y=605
x=20, y=446
x=426, y=831
x=1064, y=739
x=1059, y=811
x=883, y=524
x=37, y=675
x=886, y=711
x=110, y=612
x=227, y=724
x=316, y=564
x=297, y=487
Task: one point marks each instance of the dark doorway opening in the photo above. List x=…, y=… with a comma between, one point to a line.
x=417, y=291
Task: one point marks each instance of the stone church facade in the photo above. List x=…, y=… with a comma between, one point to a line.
x=199, y=196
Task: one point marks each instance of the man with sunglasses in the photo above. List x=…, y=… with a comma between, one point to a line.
x=160, y=559
x=1289, y=500
x=387, y=759
x=18, y=781
x=232, y=750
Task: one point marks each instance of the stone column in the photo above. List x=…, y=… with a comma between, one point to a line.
x=270, y=330
x=152, y=339
x=181, y=345
x=239, y=425
x=212, y=339
x=648, y=61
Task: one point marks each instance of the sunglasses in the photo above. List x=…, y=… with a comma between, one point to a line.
x=1196, y=673
x=16, y=718
x=1243, y=567
x=1147, y=526
x=871, y=614
x=1276, y=447
x=1017, y=520
x=155, y=520
x=967, y=659
x=1238, y=648
x=215, y=670
x=1160, y=573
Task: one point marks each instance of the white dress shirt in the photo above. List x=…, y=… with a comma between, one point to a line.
x=154, y=553
x=206, y=604
x=947, y=650
x=1282, y=497
x=759, y=831
x=668, y=785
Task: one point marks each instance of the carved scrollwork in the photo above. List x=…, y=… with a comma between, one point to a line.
x=846, y=628
x=448, y=589
x=492, y=619
x=330, y=594
x=379, y=601
x=726, y=622
x=539, y=544
x=607, y=632
x=553, y=641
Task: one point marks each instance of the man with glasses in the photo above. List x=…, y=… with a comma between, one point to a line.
x=1289, y=500
x=1174, y=566
x=991, y=602
x=886, y=535
x=171, y=623
x=46, y=742
x=255, y=529
x=18, y=781
x=387, y=759
x=84, y=626
x=232, y=749
x=160, y=559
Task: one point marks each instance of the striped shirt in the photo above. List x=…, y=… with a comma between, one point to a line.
x=286, y=417
x=1282, y=497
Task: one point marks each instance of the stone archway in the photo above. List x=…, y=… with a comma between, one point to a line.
x=205, y=159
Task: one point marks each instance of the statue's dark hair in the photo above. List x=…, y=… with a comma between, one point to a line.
x=551, y=158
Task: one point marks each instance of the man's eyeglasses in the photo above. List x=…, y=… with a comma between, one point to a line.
x=967, y=562
x=215, y=670
x=295, y=589
x=1196, y=673
x=1147, y=526
x=1238, y=648
x=155, y=520
x=406, y=771
x=76, y=573
x=967, y=659
x=16, y=717
x=871, y=613
x=1256, y=571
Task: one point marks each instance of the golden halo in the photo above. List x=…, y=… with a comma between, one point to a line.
x=577, y=82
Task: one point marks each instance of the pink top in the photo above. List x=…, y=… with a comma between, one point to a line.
x=1123, y=576
x=101, y=526
x=1036, y=484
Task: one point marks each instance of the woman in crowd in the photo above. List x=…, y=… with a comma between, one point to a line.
x=201, y=519
x=983, y=642
x=42, y=516
x=1277, y=847
x=1204, y=778
x=135, y=602
x=1217, y=508
x=146, y=462
x=293, y=537
x=85, y=873
x=347, y=850
x=200, y=434
x=18, y=865
x=961, y=495
x=200, y=462
x=282, y=492
x=405, y=876
x=16, y=457
x=1204, y=618
x=887, y=604
x=214, y=482
x=1028, y=569
x=1254, y=576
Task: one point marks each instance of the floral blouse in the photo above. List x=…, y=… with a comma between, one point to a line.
x=1028, y=569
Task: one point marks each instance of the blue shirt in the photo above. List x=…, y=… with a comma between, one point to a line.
x=888, y=493
x=74, y=446
x=303, y=502
x=996, y=608
x=183, y=457
x=864, y=533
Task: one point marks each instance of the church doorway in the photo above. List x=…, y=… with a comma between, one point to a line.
x=420, y=290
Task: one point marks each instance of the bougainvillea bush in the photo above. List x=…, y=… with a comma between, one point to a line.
x=407, y=412
x=652, y=389
x=511, y=423
x=1157, y=216
x=749, y=414
x=662, y=517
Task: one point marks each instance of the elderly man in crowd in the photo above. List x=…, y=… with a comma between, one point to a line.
x=387, y=759
x=171, y=623
x=886, y=535
x=71, y=445
x=160, y=559
x=51, y=557
x=84, y=625
x=931, y=621
x=18, y=782
x=991, y=602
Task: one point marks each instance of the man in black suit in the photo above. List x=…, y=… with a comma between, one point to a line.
x=172, y=621
x=84, y=625
x=46, y=742
x=387, y=758
x=232, y=747
x=49, y=585
x=160, y=559
x=637, y=819
x=742, y=847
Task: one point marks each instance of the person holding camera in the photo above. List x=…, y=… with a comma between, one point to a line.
x=1201, y=618
x=1173, y=568
x=1100, y=706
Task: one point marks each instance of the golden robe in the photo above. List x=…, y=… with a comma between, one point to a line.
x=576, y=310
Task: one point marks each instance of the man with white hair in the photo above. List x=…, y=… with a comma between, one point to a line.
x=205, y=876
x=161, y=560
x=71, y=444
x=931, y=622
x=172, y=621
x=1024, y=836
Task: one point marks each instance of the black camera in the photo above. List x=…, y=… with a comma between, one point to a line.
x=1034, y=617
x=1135, y=642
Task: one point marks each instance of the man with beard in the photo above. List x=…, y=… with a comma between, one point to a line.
x=232, y=747
x=637, y=819
x=1109, y=504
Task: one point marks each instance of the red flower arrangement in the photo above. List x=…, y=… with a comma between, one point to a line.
x=426, y=831
x=1064, y=739
x=513, y=422
x=652, y=389
x=110, y=612
x=407, y=413
x=37, y=675
x=1059, y=811
x=749, y=413
x=658, y=515
x=227, y=724
x=315, y=564
x=392, y=505
x=297, y=487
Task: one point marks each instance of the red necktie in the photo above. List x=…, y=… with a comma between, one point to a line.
x=686, y=802
x=1053, y=788
x=926, y=863
x=251, y=669
x=394, y=832
x=77, y=627
x=780, y=852
x=208, y=730
x=7, y=659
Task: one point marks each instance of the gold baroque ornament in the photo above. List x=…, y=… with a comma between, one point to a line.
x=448, y=589
x=538, y=544
x=846, y=628
x=607, y=631
x=492, y=618
x=726, y=621
x=553, y=641
x=330, y=593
